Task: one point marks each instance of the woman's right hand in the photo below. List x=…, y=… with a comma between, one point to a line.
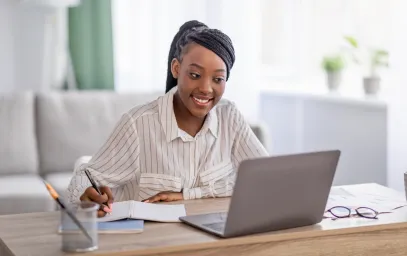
x=90, y=194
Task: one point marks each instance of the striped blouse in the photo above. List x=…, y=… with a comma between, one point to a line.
x=147, y=153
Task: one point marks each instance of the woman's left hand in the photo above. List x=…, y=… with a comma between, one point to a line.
x=165, y=197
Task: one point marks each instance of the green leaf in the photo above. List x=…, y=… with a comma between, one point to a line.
x=352, y=41
x=333, y=63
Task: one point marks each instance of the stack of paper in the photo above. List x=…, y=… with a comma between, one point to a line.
x=381, y=202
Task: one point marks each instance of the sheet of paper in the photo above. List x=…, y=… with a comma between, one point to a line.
x=120, y=210
x=158, y=212
x=379, y=201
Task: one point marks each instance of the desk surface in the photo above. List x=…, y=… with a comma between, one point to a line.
x=35, y=234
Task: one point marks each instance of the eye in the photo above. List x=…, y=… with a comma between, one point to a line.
x=219, y=80
x=194, y=75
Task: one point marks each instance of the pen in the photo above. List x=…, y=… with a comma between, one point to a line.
x=94, y=185
x=55, y=195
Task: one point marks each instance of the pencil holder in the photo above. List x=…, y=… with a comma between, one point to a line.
x=78, y=227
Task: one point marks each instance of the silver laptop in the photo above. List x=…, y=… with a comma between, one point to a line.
x=274, y=193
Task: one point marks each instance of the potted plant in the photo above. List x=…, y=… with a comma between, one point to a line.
x=376, y=59
x=371, y=82
x=333, y=66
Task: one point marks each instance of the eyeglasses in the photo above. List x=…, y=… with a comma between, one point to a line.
x=345, y=212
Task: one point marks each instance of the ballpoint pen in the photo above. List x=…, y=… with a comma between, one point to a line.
x=55, y=196
x=94, y=185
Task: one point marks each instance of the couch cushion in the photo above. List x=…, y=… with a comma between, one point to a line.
x=18, y=146
x=23, y=194
x=73, y=124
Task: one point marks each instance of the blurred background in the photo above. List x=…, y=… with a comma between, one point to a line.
x=310, y=74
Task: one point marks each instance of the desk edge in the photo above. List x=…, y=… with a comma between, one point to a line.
x=246, y=240
x=4, y=249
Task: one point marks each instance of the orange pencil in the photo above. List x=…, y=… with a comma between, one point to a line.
x=55, y=195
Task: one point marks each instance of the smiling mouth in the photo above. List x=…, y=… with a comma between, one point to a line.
x=201, y=101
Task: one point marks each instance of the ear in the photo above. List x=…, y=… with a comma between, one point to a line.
x=175, y=67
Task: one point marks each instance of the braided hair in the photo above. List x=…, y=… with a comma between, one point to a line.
x=198, y=32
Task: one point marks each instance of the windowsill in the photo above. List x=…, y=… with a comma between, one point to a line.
x=322, y=93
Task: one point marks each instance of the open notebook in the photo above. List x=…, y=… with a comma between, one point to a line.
x=145, y=211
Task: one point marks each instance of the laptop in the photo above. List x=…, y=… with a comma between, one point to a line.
x=274, y=193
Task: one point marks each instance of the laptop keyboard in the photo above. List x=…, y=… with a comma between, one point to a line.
x=217, y=226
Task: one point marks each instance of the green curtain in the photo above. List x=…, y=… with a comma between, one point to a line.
x=91, y=44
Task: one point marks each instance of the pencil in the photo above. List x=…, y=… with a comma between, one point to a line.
x=55, y=196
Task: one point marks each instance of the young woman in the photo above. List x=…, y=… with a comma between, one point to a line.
x=187, y=144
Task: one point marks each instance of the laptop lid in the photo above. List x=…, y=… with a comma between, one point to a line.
x=281, y=192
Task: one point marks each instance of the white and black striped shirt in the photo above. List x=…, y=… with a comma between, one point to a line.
x=147, y=153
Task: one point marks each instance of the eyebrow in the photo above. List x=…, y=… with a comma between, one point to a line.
x=200, y=67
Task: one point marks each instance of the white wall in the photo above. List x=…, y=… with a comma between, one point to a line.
x=358, y=128
x=31, y=37
x=396, y=93
x=6, y=47
x=20, y=51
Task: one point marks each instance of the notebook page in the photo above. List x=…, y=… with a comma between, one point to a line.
x=157, y=212
x=120, y=210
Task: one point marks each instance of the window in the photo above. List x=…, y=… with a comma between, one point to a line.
x=143, y=31
x=263, y=33
x=275, y=40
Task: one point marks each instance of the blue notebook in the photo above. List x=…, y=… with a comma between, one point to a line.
x=114, y=227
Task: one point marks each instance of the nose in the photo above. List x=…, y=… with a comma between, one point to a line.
x=206, y=87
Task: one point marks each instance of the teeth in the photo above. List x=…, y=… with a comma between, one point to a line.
x=200, y=100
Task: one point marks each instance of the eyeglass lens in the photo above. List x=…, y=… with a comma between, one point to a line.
x=340, y=212
x=343, y=212
x=366, y=212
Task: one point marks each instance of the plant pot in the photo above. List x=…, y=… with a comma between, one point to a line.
x=371, y=85
x=334, y=80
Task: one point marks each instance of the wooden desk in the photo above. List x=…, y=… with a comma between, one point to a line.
x=35, y=234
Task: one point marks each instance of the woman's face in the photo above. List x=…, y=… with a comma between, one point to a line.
x=201, y=79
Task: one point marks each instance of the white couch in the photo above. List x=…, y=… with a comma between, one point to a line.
x=42, y=135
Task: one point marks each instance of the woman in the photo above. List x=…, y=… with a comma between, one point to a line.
x=186, y=144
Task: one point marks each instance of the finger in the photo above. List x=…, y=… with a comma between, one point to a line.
x=105, y=208
x=94, y=196
x=148, y=200
x=84, y=197
x=153, y=199
x=106, y=190
x=102, y=207
x=101, y=214
x=165, y=197
x=172, y=196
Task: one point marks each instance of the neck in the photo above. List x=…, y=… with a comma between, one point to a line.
x=185, y=120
